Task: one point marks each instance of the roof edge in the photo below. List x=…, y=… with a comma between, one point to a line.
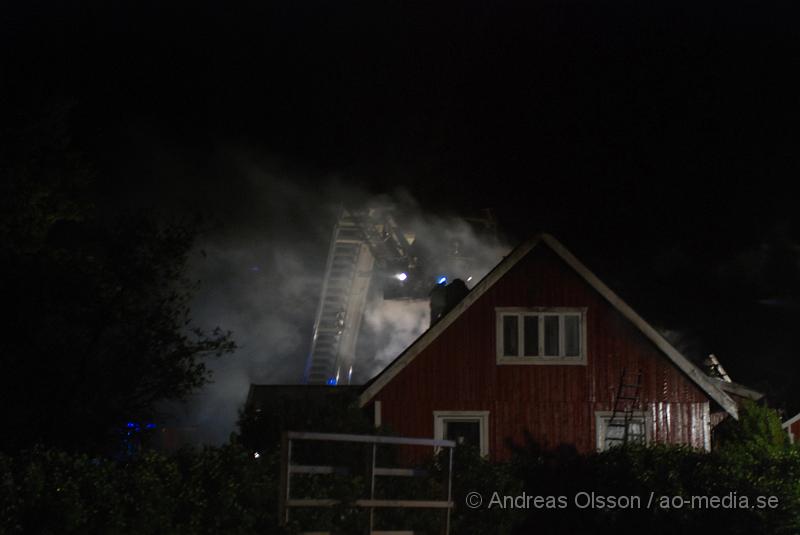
x=738, y=389
x=694, y=373
x=791, y=420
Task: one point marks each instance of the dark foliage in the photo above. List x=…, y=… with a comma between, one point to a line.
x=210, y=491
x=97, y=328
x=753, y=461
x=229, y=491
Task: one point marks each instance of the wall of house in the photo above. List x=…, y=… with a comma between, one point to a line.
x=794, y=430
x=552, y=404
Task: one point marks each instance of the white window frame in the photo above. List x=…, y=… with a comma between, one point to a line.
x=440, y=417
x=601, y=419
x=521, y=312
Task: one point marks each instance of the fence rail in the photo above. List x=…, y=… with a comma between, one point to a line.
x=286, y=502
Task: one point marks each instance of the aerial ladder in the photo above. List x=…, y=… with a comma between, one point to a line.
x=366, y=245
x=360, y=241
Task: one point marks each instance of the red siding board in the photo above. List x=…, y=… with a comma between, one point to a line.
x=795, y=430
x=555, y=404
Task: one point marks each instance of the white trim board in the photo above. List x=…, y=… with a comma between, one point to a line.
x=790, y=421
x=405, y=358
x=737, y=389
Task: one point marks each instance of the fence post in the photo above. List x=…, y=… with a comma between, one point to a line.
x=372, y=488
x=283, y=498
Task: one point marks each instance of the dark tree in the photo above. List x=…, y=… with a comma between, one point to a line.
x=98, y=326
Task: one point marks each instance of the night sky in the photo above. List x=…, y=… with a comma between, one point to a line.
x=656, y=140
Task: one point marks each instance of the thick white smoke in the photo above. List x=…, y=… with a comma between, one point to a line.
x=261, y=278
x=393, y=325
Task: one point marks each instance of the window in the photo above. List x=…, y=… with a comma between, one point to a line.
x=463, y=427
x=611, y=433
x=541, y=335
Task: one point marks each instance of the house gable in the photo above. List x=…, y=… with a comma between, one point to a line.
x=510, y=284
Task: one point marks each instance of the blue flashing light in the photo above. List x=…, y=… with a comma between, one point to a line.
x=150, y=426
x=332, y=381
x=131, y=424
x=442, y=280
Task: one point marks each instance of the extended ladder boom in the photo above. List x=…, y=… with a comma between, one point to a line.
x=344, y=295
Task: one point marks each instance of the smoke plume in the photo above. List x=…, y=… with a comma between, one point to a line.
x=261, y=272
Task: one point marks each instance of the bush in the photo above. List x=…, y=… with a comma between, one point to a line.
x=228, y=491
x=753, y=460
x=209, y=491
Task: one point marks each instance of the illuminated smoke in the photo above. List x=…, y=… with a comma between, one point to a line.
x=390, y=327
x=261, y=277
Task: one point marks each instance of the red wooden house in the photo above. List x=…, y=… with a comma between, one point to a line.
x=792, y=426
x=541, y=346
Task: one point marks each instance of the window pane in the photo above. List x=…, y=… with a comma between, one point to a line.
x=615, y=431
x=636, y=431
x=531, y=325
x=510, y=336
x=463, y=432
x=572, y=336
x=551, y=336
